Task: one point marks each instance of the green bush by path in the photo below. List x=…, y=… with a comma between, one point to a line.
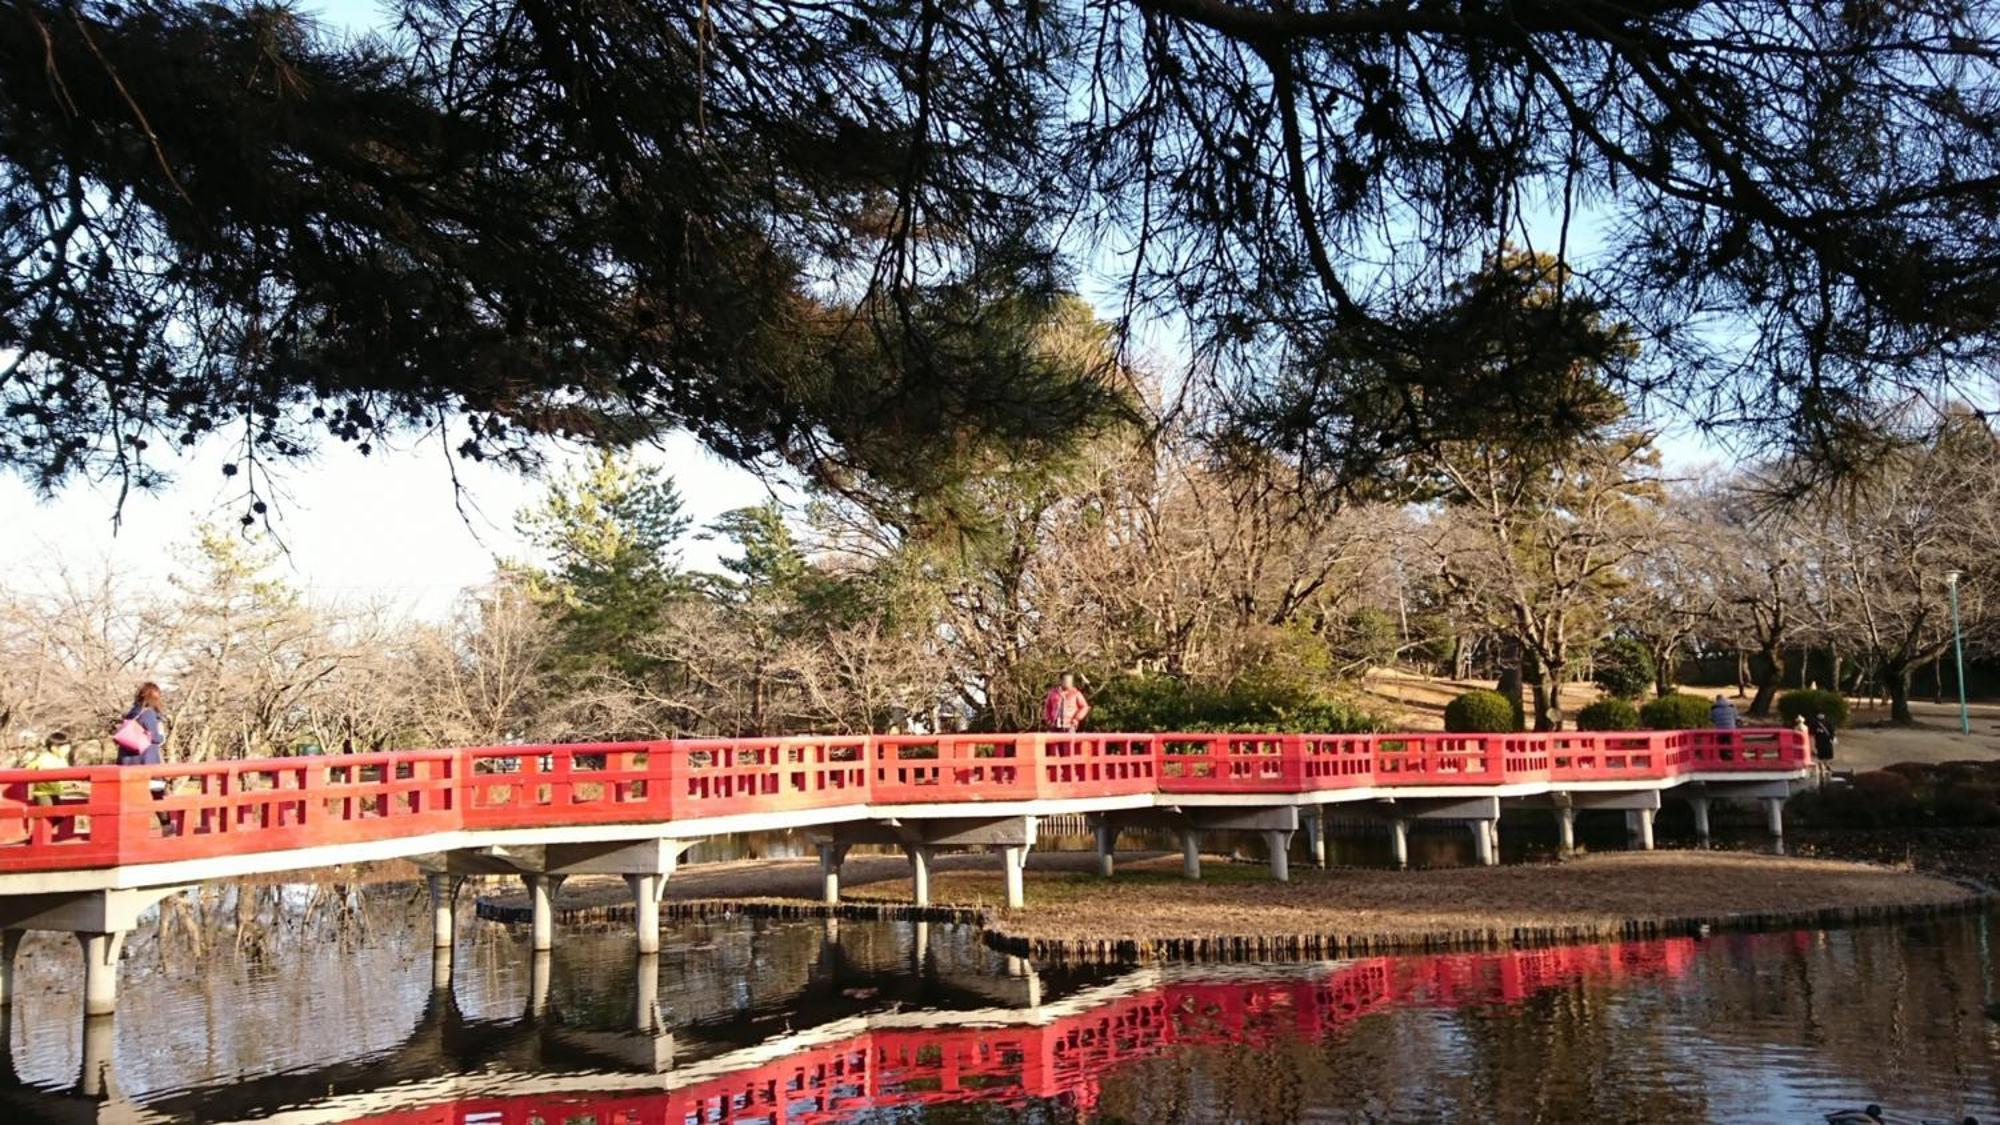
x=1623, y=668
x=1608, y=714
x=1810, y=702
x=1479, y=712
x=1674, y=712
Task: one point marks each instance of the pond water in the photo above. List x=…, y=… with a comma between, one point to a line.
x=324, y=1004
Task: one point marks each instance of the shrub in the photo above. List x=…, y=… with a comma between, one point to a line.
x=1608, y=714
x=1623, y=668
x=1674, y=712
x=1479, y=712
x=1810, y=702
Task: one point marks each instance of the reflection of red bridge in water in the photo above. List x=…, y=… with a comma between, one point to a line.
x=888, y=1067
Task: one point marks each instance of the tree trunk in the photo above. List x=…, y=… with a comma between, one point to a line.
x=1536, y=675
x=1897, y=680
x=1551, y=711
x=1836, y=667
x=1767, y=684
x=1742, y=672
x=1511, y=655
x=1937, y=678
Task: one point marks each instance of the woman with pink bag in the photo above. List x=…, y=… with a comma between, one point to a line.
x=139, y=736
x=141, y=733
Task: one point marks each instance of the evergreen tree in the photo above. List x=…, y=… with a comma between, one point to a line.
x=610, y=532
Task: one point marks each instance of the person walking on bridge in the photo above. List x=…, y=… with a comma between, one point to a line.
x=140, y=736
x=1065, y=708
x=1722, y=714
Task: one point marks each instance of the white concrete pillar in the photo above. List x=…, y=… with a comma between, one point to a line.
x=1107, y=847
x=1190, y=853
x=831, y=857
x=100, y=971
x=1566, y=827
x=920, y=872
x=1399, y=840
x=1700, y=807
x=10, y=944
x=1316, y=838
x=1482, y=843
x=1015, y=861
x=540, y=968
x=646, y=893
x=443, y=921
x=1279, y=844
x=1774, y=816
x=1646, y=828
x=1493, y=832
x=542, y=890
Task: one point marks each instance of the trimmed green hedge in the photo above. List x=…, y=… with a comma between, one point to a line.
x=1608, y=714
x=1623, y=669
x=1674, y=712
x=1479, y=712
x=1810, y=702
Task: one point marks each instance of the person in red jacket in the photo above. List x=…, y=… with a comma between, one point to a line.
x=1065, y=708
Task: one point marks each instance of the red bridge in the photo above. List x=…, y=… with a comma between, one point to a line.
x=117, y=842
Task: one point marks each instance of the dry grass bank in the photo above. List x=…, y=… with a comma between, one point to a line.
x=1149, y=912
x=1237, y=911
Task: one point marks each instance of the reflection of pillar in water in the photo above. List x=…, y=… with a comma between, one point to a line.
x=7, y=1075
x=10, y=944
x=100, y=1050
x=538, y=983
x=646, y=992
x=441, y=969
x=920, y=945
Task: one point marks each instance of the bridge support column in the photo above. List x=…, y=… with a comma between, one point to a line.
x=1774, y=817
x=831, y=857
x=1107, y=848
x=1700, y=807
x=100, y=971
x=1279, y=844
x=1015, y=861
x=1565, y=828
x=542, y=889
x=1190, y=854
x=1399, y=840
x=10, y=944
x=443, y=922
x=647, y=891
x=1315, y=826
x=920, y=872
x=1482, y=842
x=1645, y=818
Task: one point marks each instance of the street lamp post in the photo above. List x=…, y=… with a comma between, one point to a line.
x=1958, y=652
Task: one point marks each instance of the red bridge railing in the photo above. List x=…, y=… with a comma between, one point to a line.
x=112, y=816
